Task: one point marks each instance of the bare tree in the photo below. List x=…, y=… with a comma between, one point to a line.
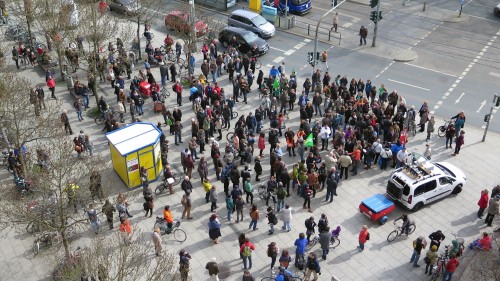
x=110, y=259
x=57, y=193
x=25, y=119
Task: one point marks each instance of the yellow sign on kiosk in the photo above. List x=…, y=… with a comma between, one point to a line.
x=255, y=5
x=132, y=147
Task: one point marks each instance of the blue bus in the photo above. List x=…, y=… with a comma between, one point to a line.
x=298, y=7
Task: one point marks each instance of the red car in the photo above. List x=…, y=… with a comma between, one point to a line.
x=179, y=21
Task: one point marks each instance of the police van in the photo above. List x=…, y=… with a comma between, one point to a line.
x=419, y=183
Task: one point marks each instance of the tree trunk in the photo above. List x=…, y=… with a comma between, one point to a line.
x=138, y=39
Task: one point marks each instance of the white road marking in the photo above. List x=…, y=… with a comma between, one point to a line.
x=269, y=65
x=494, y=74
x=459, y=98
x=347, y=25
x=307, y=40
x=425, y=89
x=437, y=71
x=289, y=52
x=481, y=106
x=278, y=59
x=277, y=49
x=300, y=45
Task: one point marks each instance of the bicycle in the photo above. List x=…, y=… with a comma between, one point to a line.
x=66, y=264
x=297, y=275
x=411, y=128
x=165, y=184
x=179, y=234
x=47, y=239
x=165, y=93
x=399, y=231
x=334, y=242
x=258, y=64
x=442, y=129
x=99, y=120
x=264, y=195
x=441, y=265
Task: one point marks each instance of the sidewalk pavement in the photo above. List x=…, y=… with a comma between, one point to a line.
x=379, y=261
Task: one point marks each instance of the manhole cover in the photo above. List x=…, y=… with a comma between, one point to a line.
x=224, y=272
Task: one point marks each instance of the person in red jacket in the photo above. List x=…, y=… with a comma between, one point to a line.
x=483, y=203
x=356, y=155
x=51, y=84
x=363, y=237
x=451, y=266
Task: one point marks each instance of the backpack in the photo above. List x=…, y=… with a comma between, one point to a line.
x=300, y=264
x=271, y=251
x=247, y=251
x=248, y=187
x=92, y=215
x=258, y=115
x=273, y=219
x=281, y=193
x=368, y=236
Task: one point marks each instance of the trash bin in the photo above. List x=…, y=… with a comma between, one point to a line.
x=69, y=82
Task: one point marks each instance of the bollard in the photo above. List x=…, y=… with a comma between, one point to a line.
x=425, y=2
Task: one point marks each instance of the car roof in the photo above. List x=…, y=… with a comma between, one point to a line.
x=427, y=169
x=244, y=13
x=177, y=13
x=238, y=30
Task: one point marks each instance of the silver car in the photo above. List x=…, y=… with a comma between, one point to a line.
x=251, y=21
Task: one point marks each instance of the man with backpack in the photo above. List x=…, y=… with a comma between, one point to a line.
x=94, y=220
x=246, y=252
x=280, y=195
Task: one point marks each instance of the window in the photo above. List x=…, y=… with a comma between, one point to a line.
x=444, y=181
x=258, y=21
x=425, y=187
x=250, y=37
x=299, y=2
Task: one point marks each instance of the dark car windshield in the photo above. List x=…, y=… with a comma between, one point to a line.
x=300, y=2
x=250, y=37
x=259, y=20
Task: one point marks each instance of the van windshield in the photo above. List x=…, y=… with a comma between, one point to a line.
x=259, y=20
x=446, y=170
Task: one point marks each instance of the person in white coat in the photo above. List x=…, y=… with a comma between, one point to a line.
x=325, y=134
x=286, y=217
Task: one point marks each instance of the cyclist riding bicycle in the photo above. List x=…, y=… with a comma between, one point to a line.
x=283, y=274
x=167, y=216
x=406, y=223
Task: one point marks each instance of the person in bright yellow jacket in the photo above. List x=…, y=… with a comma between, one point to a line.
x=207, y=186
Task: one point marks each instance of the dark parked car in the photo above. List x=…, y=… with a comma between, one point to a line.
x=179, y=21
x=246, y=38
x=496, y=10
x=126, y=7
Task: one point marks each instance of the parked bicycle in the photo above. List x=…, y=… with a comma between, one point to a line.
x=266, y=195
x=334, y=241
x=399, y=231
x=99, y=120
x=46, y=240
x=442, y=129
x=179, y=234
x=296, y=275
x=165, y=184
x=441, y=265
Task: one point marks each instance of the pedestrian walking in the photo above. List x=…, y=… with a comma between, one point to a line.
x=184, y=258
x=108, y=209
x=254, y=216
x=492, y=209
x=459, y=142
x=271, y=219
x=239, y=207
x=306, y=194
x=186, y=203
x=94, y=219
x=450, y=268
x=312, y=266
x=428, y=152
x=207, y=187
x=324, y=240
x=213, y=199
x=483, y=203
x=430, y=259
x=286, y=217
x=449, y=134
x=363, y=236
x=272, y=252
x=122, y=205
x=363, y=33
x=247, y=276
x=51, y=84
x=148, y=204
x=300, y=250
x=430, y=127
x=126, y=230
x=285, y=259
x=335, y=22
x=418, y=244
x=65, y=121
x=157, y=241
x=213, y=269
x=436, y=238
x=229, y=207
x=214, y=228
x=246, y=252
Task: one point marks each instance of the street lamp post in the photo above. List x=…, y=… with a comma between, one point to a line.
x=495, y=103
x=315, y=58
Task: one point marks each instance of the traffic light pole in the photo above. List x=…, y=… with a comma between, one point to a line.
x=496, y=99
x=315, y=60
x=376, y=24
